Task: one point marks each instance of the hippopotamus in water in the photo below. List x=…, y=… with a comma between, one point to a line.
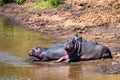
x=54, y=52
x=84, y=50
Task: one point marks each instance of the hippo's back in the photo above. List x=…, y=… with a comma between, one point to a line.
x=55, y=51
x=57, y=45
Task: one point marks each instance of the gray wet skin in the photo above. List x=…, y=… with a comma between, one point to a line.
x=54, y=52
x=84, y=50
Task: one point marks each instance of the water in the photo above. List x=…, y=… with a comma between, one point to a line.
x=15, y=64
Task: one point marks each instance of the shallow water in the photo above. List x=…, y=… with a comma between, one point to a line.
x=15, y=64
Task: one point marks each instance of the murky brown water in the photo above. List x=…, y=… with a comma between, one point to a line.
x=15, y=64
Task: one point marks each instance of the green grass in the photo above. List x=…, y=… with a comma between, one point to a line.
x=48, y=3
x=19, y=1
x=54, y=2
x=42, y=3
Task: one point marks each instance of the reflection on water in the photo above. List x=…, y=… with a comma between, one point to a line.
x=18, y=40
x=14, y=73
x=15, y=42
x=69, y=72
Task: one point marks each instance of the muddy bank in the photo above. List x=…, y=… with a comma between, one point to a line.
x=99, y=23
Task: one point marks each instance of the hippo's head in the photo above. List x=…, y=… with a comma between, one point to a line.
x=69, y=44
x=35, y=52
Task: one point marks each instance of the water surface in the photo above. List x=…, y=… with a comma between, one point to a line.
x=15, y=64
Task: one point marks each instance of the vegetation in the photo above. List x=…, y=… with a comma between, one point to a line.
x=41, y=3
x=1, y=2
x=19, y=1
x=48, y=3
x=8, y=1
x=4, y=1
x=54, y=2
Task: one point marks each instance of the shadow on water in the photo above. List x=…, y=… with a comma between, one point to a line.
x=15, y=42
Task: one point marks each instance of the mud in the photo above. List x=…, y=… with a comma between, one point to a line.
x=94, y=21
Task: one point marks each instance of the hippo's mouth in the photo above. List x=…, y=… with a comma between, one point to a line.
x=30, y=54
x=68, y=50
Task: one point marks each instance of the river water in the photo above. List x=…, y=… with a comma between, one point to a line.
x=15, y=64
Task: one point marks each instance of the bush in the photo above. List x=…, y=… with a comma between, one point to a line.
x=55, y=2
x=4, y=1
x=19, y=1
x=1, y=2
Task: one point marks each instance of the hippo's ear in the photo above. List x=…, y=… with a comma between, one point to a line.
x=38, y=48
x=76, y=37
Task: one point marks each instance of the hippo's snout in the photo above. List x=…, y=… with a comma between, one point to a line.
x=34, y=52
x=67, y=47
x=31, y=53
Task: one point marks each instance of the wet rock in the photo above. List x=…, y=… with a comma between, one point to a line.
x=59, y=28
x=38, y=13
x=41, y=23
x=98, y=37
x=117, y=6
x=116, y=50
x=80, y=29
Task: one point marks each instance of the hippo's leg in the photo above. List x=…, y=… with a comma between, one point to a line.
x=36, y=60
x=63, y=58
x=106, y=53
x=59, y=60
x=67, y=61
x=66, y=57
x=45, y=59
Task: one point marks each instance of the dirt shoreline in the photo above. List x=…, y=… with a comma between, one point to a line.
x=99, y=23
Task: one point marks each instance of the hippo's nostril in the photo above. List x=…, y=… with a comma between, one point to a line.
x=30, y=53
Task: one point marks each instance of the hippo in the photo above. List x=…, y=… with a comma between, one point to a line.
x=54, y=52
x=85, y=50
x=80, y=49
x=77, y=38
